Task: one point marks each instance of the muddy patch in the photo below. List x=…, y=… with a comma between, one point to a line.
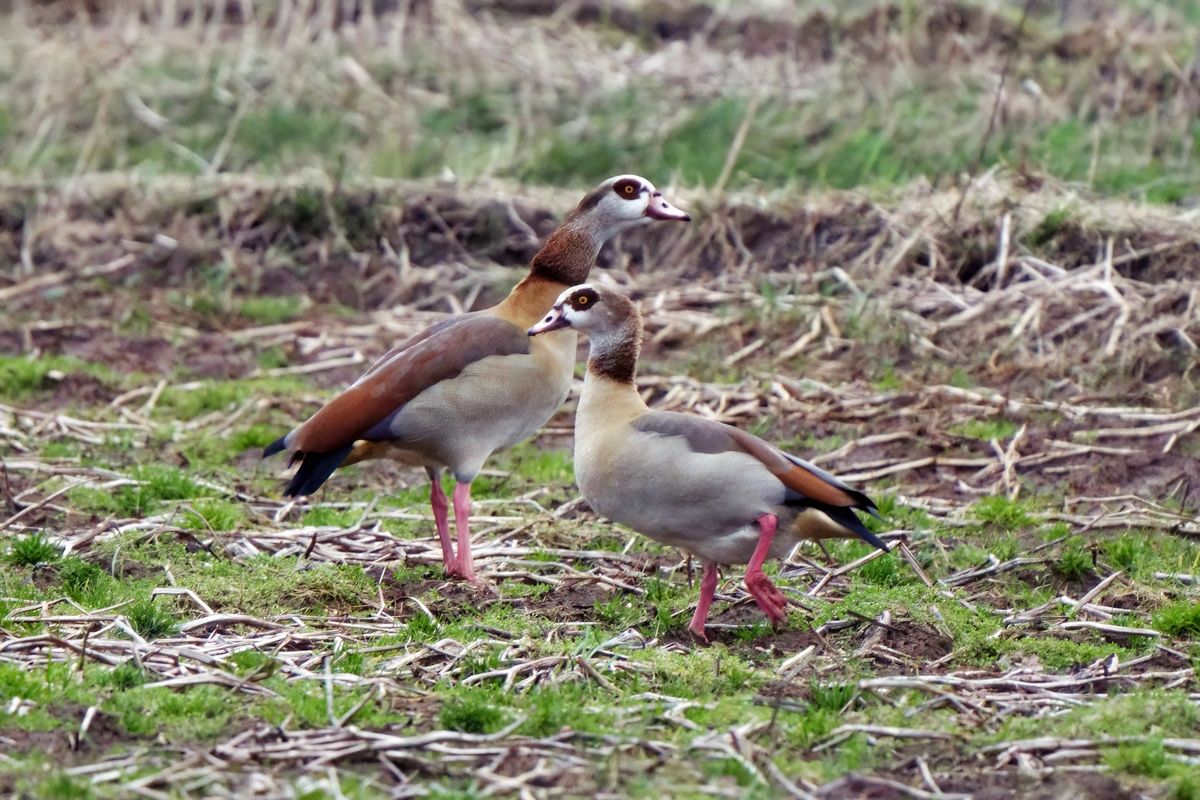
x=122, y=353
x=794, y=690
x=741, y=629
x=921, y=643
x=1005, y=784
x=777, y=644
x=455, y=598
x=570, y=601
x=130, y=569
x=216, y=357
x=79, y=389
x=66, y=745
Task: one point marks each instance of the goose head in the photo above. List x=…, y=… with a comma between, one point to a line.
x=593, y=310
x=623, y=202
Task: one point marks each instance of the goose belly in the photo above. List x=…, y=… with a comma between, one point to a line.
x=703, y=503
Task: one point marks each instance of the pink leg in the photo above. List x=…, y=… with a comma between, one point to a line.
x=708, y=587
x=765, y=593
x=462, y=516
x=437, y=499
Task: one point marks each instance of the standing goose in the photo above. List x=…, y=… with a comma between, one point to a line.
x=693, y=483
x=450, y=396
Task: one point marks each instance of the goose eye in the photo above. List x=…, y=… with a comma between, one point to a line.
x=627, y=189
x=582, y=300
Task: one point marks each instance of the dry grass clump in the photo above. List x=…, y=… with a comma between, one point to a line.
x=1034, y=284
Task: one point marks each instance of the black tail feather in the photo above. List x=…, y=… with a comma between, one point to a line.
x=315, y=469
x=863, y=503
x=274, y=447
x=849, y=520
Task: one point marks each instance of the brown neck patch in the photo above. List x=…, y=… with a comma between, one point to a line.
x=529, y=300
x=616, y=358
x=567, y=256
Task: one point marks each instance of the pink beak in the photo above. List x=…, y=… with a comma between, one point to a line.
x=659, y=208
x=551, y=322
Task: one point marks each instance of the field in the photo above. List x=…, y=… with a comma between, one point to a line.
x=947, y=251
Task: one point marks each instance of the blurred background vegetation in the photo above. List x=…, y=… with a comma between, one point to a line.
x=867, y=93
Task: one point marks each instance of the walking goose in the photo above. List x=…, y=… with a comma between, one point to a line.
x=693, y=483
x=453, y=394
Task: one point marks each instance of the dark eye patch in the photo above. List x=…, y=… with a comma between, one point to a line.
x=627, y=188
x=585, y=298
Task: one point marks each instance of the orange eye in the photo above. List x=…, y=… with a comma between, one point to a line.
x=582, y=301
x=627, y=189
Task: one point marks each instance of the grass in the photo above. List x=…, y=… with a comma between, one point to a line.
x=271, y=310
x=151, y=621
x=185, y=404
x=862, y=126
x=155, y=486
x=985, y=430
x=1002, y=512
x=31, y=550
x=22, y=377
x=1181, y=618
x=189, y=534
x=82, y=581
x=213, y=515
x=473, y=712
x=721, y=681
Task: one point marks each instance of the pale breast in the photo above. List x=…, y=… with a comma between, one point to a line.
x=493, y=403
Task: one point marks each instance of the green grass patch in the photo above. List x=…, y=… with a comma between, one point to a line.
x=186, y=404
x=156, y=486
x=1002, y=512
x=304, y=704
x=527, y=467
x=194, y=713
x=1148, y=758
x=1074, y=561
x=255, y=437
x=1125, y=552
x=831, y=696
x=1181, y=619
x=887, y=570
x=28, y=551
x=896, y=515
x=264, y=585
x=985, y=430
x=1063, y=655
x=83, y=581
x=705, y=674
x=61, y=786
x=1049, y=227
x=213, y=514
x=271, y=310
x=22, y=377
x=1141, y=712
x=151, y=620
x=326, y=517
x=478, y=710
x=285, y=136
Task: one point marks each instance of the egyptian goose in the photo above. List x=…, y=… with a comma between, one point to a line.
x=450, y=396
x=693, y=483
